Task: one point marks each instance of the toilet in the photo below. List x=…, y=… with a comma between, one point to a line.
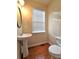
x=55, y=49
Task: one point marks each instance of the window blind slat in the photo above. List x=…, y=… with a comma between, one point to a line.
x=38, y=21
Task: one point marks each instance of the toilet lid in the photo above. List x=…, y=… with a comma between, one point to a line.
x=55, y=49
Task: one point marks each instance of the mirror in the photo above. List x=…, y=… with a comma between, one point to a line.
x=19, y=18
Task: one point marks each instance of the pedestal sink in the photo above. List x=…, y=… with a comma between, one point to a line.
x=23, y=36
x=23, y=40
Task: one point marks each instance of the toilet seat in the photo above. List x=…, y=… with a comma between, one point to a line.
x=54, y=49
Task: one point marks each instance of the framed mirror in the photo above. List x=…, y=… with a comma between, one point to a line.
x=19, y=18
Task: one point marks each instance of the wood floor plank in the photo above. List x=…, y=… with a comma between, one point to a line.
x=39, y=52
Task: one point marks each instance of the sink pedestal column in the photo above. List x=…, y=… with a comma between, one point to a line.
x=24, y=44
x=25, y=47
x=18, y=50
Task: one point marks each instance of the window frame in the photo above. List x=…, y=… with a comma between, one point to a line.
x=43, y=31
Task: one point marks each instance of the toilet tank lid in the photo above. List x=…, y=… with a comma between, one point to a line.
x=55, y=49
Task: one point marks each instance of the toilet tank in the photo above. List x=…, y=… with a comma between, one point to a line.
x=58, y=41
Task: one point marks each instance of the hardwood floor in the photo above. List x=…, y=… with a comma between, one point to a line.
x=39, y=52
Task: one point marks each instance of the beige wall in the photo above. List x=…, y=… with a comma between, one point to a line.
x=54, y=26
x=55, y=5
x=27, y=18
x=38, y=38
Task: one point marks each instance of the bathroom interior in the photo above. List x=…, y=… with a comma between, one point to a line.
x=38, y=29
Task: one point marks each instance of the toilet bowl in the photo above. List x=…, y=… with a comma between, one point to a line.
x=55, y=51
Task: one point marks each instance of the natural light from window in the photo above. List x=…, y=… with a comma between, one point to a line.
x=38, y=21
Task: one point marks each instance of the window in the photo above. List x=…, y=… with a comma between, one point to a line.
x=38, y=21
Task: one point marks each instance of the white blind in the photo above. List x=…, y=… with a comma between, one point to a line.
x=38, y=21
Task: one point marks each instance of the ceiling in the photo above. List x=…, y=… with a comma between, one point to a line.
x=42, y=1
x=45, y=2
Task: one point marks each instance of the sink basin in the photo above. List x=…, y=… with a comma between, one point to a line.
x=20, y=37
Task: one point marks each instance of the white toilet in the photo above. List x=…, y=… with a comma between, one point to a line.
x=55, y=49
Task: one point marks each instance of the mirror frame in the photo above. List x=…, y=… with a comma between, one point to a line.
x=19, y=25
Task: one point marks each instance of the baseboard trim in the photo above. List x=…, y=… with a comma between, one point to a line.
x=37, y=44
x=51, y=43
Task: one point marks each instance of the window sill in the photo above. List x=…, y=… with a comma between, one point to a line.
x=38, y=32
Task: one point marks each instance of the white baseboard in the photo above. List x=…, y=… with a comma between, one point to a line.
x=51, y=43
x=36, y=44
